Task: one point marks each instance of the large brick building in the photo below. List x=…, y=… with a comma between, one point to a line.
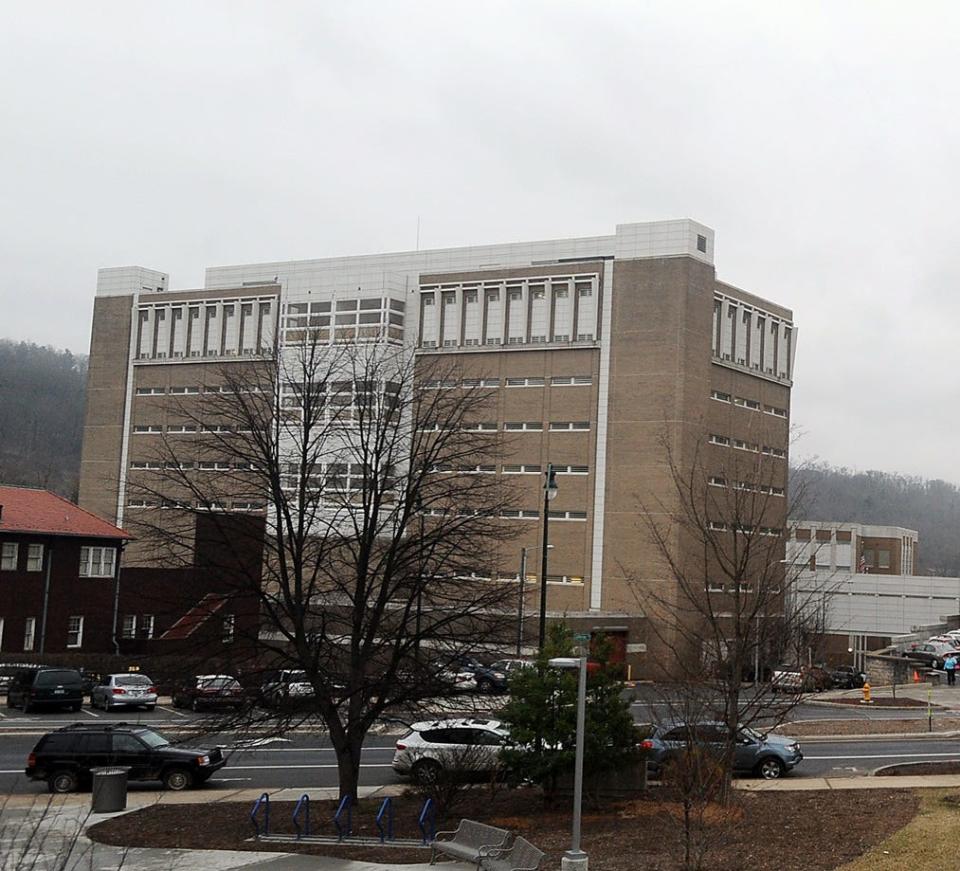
x=599, y=350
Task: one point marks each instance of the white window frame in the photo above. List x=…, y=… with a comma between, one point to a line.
x=78, y=632
x=9, y=556
x=228, y=629
x=93, y=564
x=1, y=633
x=128, y=626
x=32, y=557
x=29, y=634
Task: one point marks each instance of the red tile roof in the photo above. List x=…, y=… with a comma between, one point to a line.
x=40, y=511
x=194, y=618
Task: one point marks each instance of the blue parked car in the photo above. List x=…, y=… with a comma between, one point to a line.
x=764, y=755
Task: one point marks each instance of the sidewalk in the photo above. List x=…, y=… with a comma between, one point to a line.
x=942, y=696
x=52, y=837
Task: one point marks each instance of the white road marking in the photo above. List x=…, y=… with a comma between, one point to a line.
x=296, y=749
x=256, y=744
x=284, y=767
x=906, y=757
x=90, y=713
x=171, y=711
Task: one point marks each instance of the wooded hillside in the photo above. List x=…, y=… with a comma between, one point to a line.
x=41, y=416
x=930, y=506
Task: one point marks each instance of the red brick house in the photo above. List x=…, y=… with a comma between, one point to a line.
x=63, y=588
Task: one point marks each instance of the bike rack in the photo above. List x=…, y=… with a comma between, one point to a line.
x=427, y=821
x=345, y=805
x=386, y=808
x=302, y=806
x=264, y=802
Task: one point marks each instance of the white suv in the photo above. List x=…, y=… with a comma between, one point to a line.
x=465, y=746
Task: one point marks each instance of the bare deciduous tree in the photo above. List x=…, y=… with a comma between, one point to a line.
x=723, y=601
x=364, y=472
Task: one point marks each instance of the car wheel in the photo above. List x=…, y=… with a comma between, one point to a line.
x=484, y=687
x=426, y=771
x=177, y=779
x=149, y=707
x=75, y=707
x=26, y=707
x=771, y=768
x=195, y=707
x=63, y=781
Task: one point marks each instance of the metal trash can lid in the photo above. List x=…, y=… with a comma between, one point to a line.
x=106, y=772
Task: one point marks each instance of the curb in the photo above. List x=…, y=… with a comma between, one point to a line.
x=876, y=737
x=826, y=703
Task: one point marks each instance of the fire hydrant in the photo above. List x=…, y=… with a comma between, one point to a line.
x=866, y=694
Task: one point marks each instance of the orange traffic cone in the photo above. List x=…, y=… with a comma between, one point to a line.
x=916, y=676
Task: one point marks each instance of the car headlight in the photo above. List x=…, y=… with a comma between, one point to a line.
x=499, y=676
x=794, y=747
x=203, y=760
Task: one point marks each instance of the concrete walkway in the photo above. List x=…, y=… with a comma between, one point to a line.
x=51, y=836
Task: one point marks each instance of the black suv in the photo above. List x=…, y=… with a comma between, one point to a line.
x=46, y=687
x=65, y=758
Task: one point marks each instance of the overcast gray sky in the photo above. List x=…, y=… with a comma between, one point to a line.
x=819, y=140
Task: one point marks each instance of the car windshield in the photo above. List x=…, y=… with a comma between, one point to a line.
x=219, y=683
x=133, y=680
x=747, y=732
x=500, y=665
x=54, y=678
x=152, y=739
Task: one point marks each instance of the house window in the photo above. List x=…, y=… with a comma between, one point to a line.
x=8, y=556
x=129, y=626
x=883, y=559
x=227, y=629
x=75, y=632
x=145, y=629
x=34, y=557
x=29, y=630
x=97, y=562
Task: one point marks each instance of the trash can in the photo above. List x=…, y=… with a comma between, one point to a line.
x=109, y=790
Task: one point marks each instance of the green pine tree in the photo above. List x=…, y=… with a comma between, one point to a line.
x=542, y=718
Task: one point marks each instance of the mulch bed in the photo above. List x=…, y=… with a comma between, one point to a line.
x=882, y=702
x=761, y=831
x=918, y=725
x=909, y=769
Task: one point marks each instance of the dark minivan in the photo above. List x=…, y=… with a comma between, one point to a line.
x=46, y=688
x=66, y=758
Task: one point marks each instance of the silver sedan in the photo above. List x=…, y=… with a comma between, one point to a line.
x=123, y=690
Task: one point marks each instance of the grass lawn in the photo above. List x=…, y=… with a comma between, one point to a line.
x=928, y=843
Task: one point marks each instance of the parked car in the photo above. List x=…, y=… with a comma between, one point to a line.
x=767, y=756
x=209, y=691
x=846, y=677
x=123, y=690
x=800, y=679
x=65, y=758
x=510, y=667
x=9, y=669
x=468, y=746
x=931, y=653
x=36, y=688
x=488, y=678
x=285, y=686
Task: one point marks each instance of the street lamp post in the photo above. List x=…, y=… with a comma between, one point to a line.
x=549, y=493
x=575, y=859
x=523, y=584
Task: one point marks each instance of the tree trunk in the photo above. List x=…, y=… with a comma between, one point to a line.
x=348, y=765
